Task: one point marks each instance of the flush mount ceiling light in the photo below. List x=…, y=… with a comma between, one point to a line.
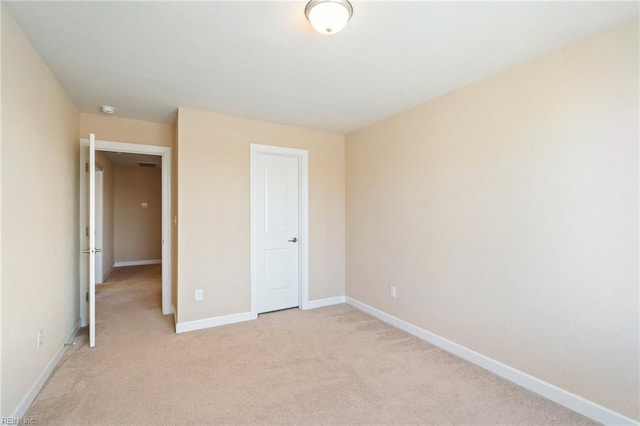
x=107, y=109
x=328, y=16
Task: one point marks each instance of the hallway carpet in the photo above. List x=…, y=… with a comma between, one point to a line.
x=331, y=365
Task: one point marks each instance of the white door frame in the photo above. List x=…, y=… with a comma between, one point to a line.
x=303, y=186
x=131, y=148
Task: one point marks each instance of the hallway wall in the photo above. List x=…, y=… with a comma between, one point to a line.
x=107, y=212
x=137, y=229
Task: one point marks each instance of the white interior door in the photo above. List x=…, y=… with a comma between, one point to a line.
x=99, y=225
x=91, y=250
x=277, y=231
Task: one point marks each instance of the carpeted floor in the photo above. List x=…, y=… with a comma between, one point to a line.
x=332, y=365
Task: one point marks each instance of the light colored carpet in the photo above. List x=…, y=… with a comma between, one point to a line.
x=332, y=365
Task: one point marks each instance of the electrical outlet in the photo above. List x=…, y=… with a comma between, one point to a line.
x=199, y=295
x=392, y=291
x=39, y=341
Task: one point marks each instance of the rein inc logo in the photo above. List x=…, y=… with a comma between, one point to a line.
x=18, y=421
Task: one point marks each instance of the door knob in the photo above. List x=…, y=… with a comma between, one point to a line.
x=294, y=240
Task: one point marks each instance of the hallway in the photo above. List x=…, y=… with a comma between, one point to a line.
x=129, y=302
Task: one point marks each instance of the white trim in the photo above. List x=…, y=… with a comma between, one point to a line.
x=303, y=158
x=554, y=393
x=132, y=148
x=319, y=303
x=138, y=263
x=28, y=399
x=182, y=327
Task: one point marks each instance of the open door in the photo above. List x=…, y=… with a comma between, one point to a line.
x=91, y=234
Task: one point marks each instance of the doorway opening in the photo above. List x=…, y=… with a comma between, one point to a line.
x=149, y=156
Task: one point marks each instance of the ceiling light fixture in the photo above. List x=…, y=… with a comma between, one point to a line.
x=328, y=16
x=108, y=109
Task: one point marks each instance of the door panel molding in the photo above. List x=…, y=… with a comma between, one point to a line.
x=303, y=211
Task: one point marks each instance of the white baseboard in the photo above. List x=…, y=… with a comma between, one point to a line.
x=26, y=402
x=554, y=393
x=319, y=303
x=182, y=327
x=137, y=262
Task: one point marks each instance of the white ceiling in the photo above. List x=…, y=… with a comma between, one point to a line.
x=262, y=60
x=133, y=160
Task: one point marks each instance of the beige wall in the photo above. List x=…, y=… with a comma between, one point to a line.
x=117, y=129
x=138, y=230
x=213, y=201
x=1, y=135
x=107, y=212
x=506, y=213
x=39, y=215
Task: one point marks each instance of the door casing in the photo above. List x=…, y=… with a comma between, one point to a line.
x=303, y=211
x=130, y=148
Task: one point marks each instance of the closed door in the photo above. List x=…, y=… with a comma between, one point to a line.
x=276, y=199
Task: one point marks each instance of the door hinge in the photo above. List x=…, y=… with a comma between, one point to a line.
x=86, y=167
x=87, y=295
x=86, y=231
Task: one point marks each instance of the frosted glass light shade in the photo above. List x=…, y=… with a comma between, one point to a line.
x=328, y=16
